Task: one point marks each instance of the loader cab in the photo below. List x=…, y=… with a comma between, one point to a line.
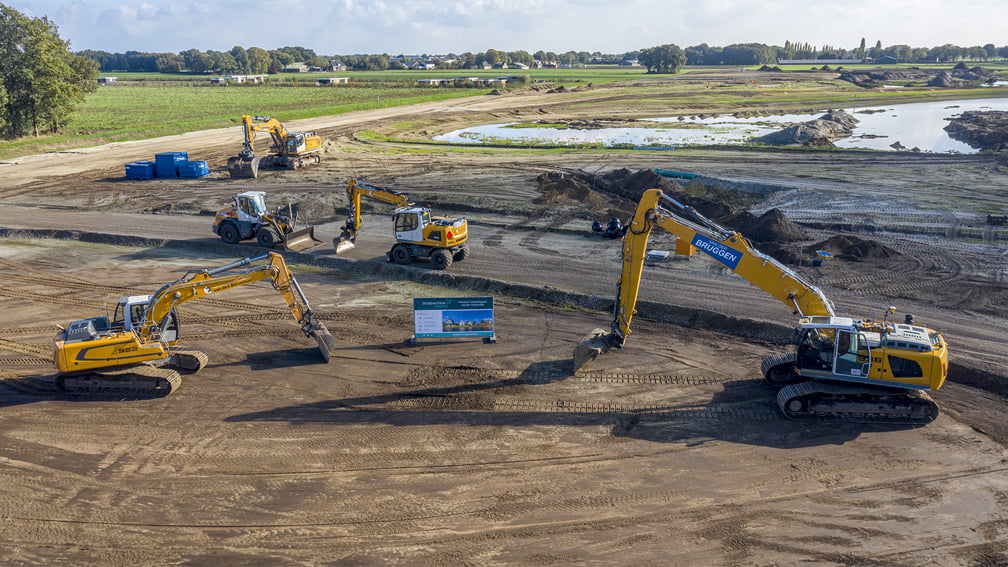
x=409, y=223
x=129, y=314
x=250, y=204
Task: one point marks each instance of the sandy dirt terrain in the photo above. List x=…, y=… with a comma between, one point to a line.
x=670, y=451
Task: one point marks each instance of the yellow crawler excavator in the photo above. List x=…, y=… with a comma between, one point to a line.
x=417, y=233
x=843, y=368
x=290, y=150
x=137, y=352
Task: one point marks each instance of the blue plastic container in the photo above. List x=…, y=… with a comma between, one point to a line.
x=141, y=170
x=168, y=162
x=193, y=169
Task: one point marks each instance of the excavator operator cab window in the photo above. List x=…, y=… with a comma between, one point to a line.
x=426, y=218
x=405, y=222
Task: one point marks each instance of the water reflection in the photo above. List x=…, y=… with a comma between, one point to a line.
x=915, y=125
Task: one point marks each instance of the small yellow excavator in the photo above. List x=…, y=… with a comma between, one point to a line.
x=249, y=218
x=290, y=150
x=137, y=353
x=417, y=233
x=843, y=368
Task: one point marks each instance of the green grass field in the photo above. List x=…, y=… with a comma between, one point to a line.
x=147, y=105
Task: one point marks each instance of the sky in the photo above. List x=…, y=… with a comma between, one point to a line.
x=436, y=27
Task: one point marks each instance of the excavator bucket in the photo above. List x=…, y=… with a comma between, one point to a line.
x=301, y=240
x=243, y=168
x=590, y=347
x=343, y=242
x=325, y=341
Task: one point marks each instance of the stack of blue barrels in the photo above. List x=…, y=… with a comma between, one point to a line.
x=167, y=165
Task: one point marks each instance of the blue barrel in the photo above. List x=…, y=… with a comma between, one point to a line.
x=140, y=170
x=193, y=169
x=168, y=162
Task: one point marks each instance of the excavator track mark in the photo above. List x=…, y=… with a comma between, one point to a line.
x=135, y=382
x=856, y=404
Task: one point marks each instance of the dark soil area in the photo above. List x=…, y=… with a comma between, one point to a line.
x=981, y=129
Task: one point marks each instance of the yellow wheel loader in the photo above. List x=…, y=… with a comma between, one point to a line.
x=249, y=218
x=417, y=233
x=289, y=150
x=137, y=352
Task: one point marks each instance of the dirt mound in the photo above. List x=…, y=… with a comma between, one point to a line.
x=833, y=125
x=958, y=76
x=565, y=190
x=774, y=226
x=852, y=248
x=981, y=129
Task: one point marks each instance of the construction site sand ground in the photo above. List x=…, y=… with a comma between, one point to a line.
x=458, y=452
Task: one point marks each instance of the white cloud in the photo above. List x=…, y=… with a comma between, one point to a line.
x=431, y=26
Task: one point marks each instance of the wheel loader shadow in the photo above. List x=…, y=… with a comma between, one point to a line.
x=744, y=413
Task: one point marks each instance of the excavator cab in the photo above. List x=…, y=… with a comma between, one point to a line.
x=409, y=224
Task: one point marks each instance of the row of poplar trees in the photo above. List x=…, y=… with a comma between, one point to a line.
x=41, y=81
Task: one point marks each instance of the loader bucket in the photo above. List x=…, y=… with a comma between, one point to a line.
x=343, y=242
x=243, y=168
x=301, y=240
x=590, y=347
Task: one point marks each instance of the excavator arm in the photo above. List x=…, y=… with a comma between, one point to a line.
x=208, y=282
x=355, y=190
x=694, y=233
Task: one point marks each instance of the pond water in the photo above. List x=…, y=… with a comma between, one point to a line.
x=914, y=125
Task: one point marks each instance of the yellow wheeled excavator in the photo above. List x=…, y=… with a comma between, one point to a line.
x=417, y=233
x=843, y=368
x=248, y=217
x=137, y=352
x=290, y=150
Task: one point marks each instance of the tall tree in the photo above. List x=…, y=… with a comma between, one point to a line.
x=668, y=58
x=41, y=81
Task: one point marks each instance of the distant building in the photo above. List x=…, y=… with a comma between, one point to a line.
x=886, y=60
x=333, y=81
x=296, y=68
x=106, y=80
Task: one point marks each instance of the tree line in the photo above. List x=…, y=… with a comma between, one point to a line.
x=41, y=82
x=668, y=58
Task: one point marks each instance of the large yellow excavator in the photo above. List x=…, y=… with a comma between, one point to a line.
x=843, y=368
x=136, y=352
x=417, y=233
x=290, y=150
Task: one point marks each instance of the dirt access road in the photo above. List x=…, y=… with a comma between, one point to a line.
x=670, y=451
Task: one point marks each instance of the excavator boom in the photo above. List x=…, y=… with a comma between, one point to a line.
x=355, y=190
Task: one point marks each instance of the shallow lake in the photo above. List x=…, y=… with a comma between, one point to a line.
x=914, y=125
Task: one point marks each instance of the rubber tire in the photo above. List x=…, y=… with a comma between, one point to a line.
x=441, y=260
x=265, y=238
x=400, y=254
x=229, y=233
x=462, y=254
